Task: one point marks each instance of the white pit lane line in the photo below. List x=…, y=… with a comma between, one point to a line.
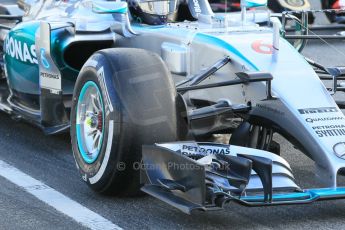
x=55, y=199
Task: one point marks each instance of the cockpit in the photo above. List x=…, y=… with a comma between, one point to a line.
x=149, y=12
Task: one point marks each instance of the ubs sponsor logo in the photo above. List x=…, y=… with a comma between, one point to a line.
x=318, y=110
x=260, y=46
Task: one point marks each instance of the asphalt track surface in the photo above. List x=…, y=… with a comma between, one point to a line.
x=49, y=160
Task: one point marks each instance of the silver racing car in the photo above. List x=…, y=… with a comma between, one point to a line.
x=140, y=83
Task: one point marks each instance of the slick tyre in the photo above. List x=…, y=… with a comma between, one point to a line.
x=123, y=98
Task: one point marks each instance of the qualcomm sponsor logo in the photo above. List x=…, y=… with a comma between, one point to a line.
x=197, y=6
x=20, y=50
x=312, y=120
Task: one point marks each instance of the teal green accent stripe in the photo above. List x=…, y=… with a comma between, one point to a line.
x=307, y=195
x=209, y=39
x=110, y=11
x=200, y=37
x=281, y=197
x=255, y=4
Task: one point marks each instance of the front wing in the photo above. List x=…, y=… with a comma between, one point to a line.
x=205, y=176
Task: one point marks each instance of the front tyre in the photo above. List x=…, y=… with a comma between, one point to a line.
x=123, y=98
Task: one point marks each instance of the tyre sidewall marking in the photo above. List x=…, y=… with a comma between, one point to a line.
x=108, y=110
x=100, y=165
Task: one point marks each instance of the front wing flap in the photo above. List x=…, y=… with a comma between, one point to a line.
x=205, y=176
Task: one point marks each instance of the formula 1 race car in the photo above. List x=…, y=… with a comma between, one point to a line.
x=276, y=6
x=139, y=83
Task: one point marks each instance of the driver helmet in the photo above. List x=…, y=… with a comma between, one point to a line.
x=153, y=12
